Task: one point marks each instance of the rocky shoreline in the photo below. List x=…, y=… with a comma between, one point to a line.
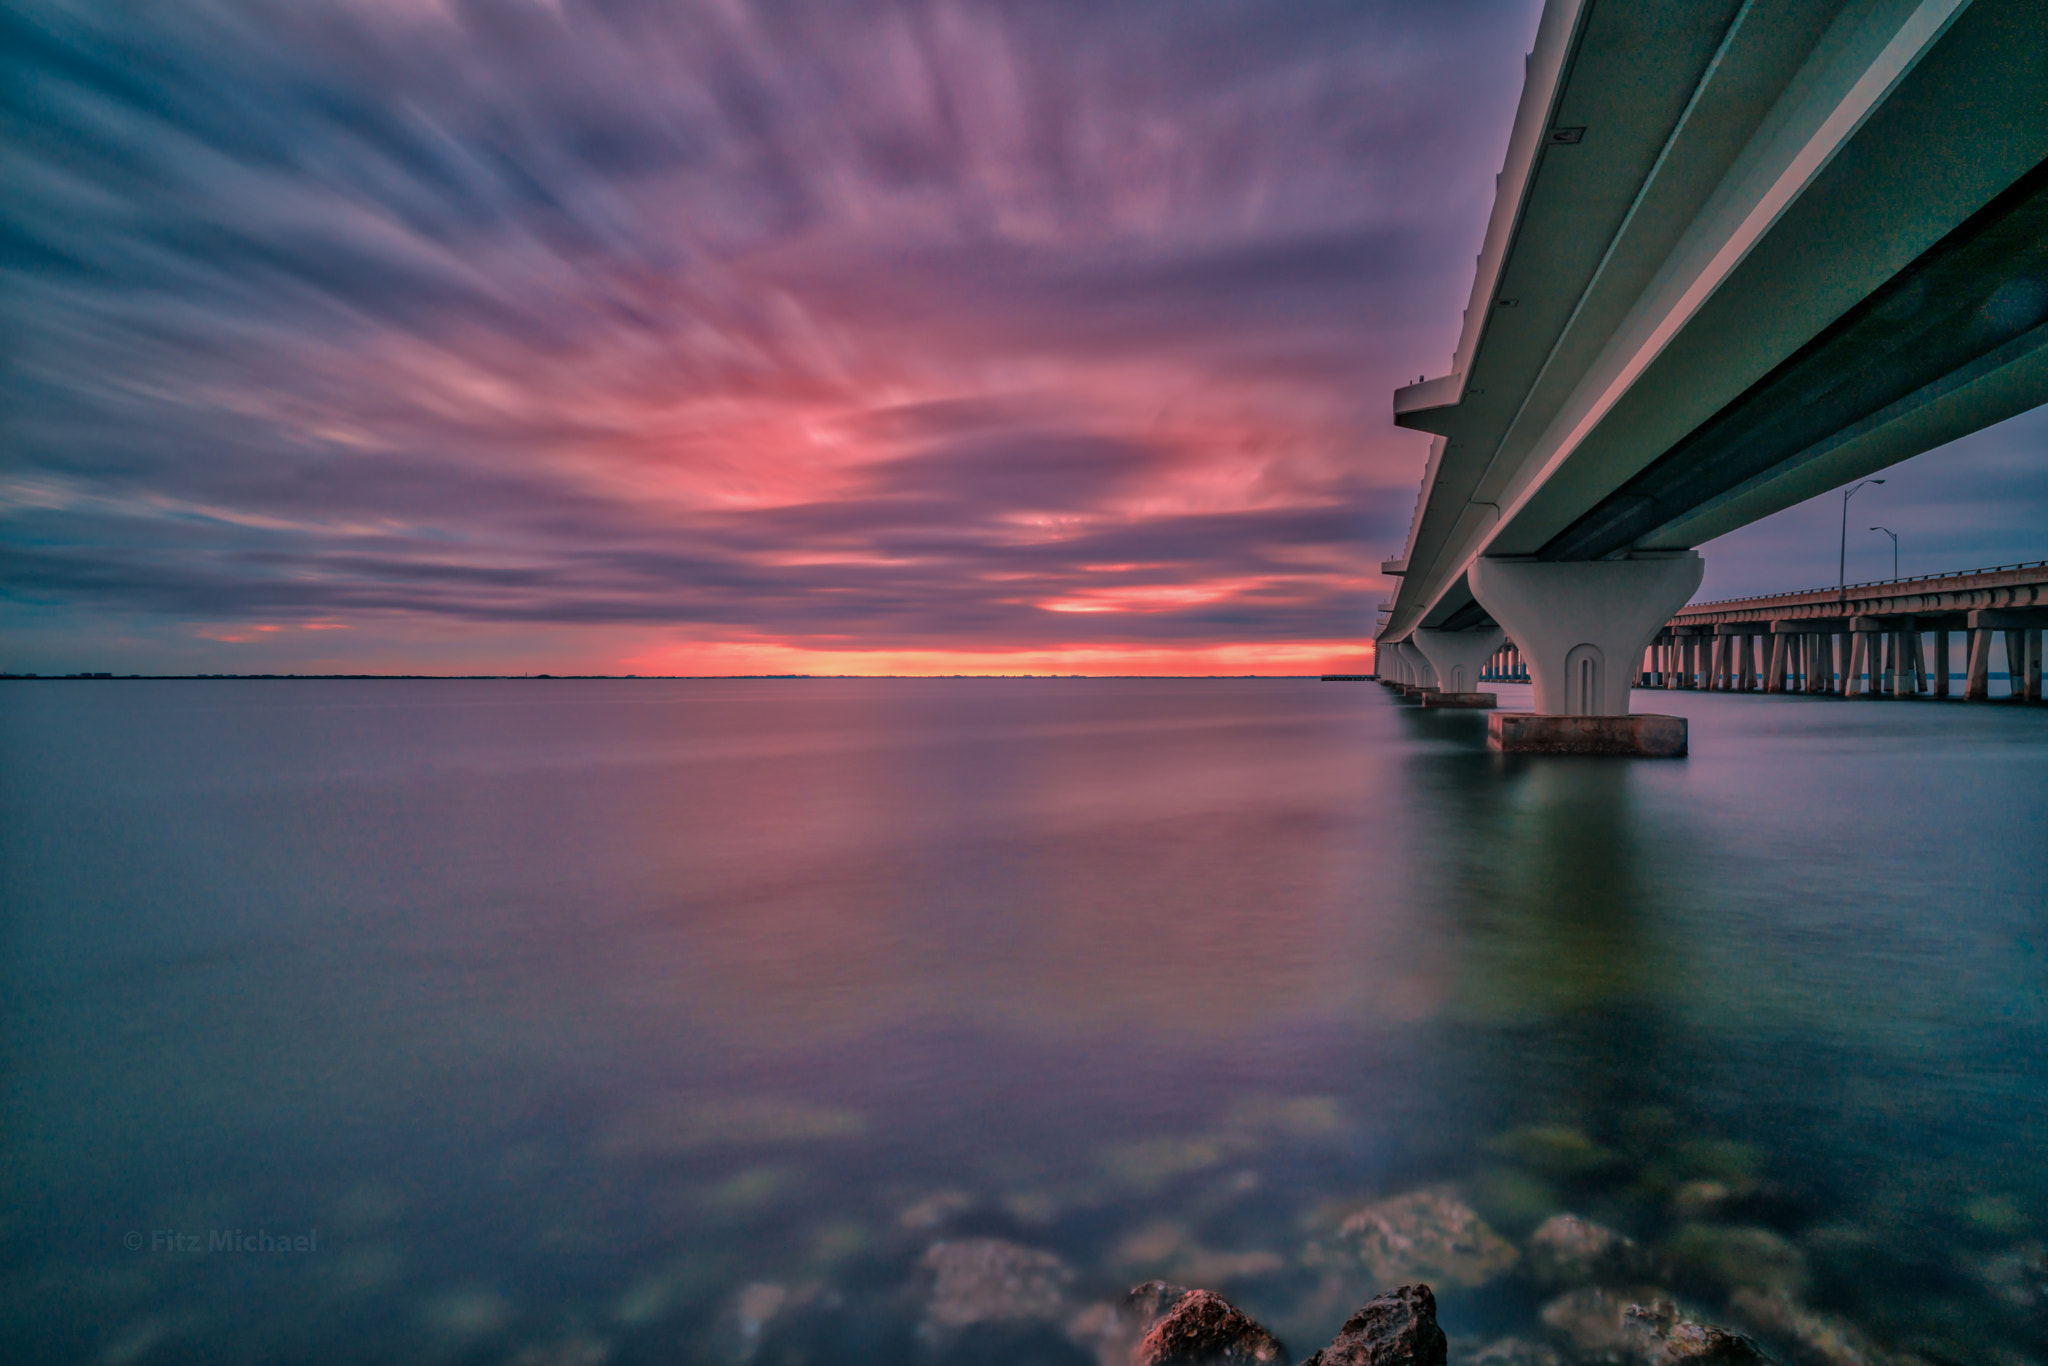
x=1598, y=1298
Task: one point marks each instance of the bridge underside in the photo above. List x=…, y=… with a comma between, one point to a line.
x=1659, y=351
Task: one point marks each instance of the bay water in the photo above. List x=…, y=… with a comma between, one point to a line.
x=678, y=1020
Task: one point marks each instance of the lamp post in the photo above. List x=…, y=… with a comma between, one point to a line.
x=1895, y=549
x=1842, y=565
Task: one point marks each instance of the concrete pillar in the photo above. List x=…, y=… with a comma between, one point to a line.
x=1775, y=682
x=1977, y=681
x=1859, y=656
x=1457, y=655
x=1745, y=671
x=1904, y=643
x=1418, y=665
x=1844, y=651
x=1585, y=624
x=2016, y=663
x=1941, y=663
x=2034, y=643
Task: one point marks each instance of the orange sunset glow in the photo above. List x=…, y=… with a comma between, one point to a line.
x=716, y=339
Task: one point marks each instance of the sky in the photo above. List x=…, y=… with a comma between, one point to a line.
x=716, y=337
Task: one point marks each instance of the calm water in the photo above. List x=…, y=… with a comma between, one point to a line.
x=561, y=1013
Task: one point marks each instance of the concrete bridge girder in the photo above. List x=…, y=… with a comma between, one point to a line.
x=1690, y=311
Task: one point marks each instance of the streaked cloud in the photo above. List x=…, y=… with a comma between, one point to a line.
x=523, y=335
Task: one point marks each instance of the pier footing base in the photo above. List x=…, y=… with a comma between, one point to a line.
x=1638, y=735
x=1411, y=690
x=1458, y=699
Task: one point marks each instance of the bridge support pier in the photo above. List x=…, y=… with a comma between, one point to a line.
x=1977, y=681
x=1458, y=658
x=1421, y=678
x=1582, y=627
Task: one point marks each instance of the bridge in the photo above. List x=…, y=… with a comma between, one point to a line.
x=1891, y=638
x=1739, y=255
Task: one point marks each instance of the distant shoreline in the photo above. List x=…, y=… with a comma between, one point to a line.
x=571, y=678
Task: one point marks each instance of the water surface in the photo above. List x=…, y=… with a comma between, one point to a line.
x=673, y=1021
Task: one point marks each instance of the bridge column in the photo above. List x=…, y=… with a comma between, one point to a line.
x=1776, y=681
x=1457, y=656
x=1940, y=679
x=1845, y=642
x=1977, y=681
x=2033, y=649
x=1423, y=677
x=2016, y=663
x=1905, y=653
x=1583, y=625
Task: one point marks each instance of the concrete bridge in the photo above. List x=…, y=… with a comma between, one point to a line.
x=1892, y=638
x=1740, y=254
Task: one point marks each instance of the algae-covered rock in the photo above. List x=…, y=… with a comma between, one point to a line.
x=1171, y=1250
x=1743, y=1255
x=1821, y=1339
x=933, y=1210
x=1641, y=1328
x=1555, y=1150
x=1666, y=1337
x=1395, y=1328
x=1568, y=1250
x=1426, y=1234
x=988, y=1280
x=1507, y=1352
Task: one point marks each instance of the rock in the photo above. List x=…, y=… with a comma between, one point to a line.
x=739, y=1331
x=1395, y=1328
x=1555, y=1150
x=2019, y=1275
x=1639, y=1328
x=1199, y=1328
x=1171, y=1250
x=1507, y=1352
x=987, y=1280
x=1426, y=1234
x=1819, y=1338
x=934, y=1210
x=1568, y=1250
x=579, y=1350
x=1159, y=1323
x=1593, y=1320
x=1664, y=1337
x=1743, y=1255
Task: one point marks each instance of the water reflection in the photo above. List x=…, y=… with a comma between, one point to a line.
x=685, y=1021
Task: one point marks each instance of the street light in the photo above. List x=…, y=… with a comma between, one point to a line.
x=1842, y=566
x=1895, y=549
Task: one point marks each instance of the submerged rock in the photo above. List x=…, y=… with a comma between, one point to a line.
x=1743, y=1255
x=1556, y=1150
x=1507, y=1352
x=1395, y=1328
x=1821, y=1339
x=987, y=1280
x=577, y=1350
x=1568, y=1250
x=1665, y=1337
x=1171, y=1250
x=1426, y=1234
x=1640, y=1328
x=2018, y=1275
x=934, y=1210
